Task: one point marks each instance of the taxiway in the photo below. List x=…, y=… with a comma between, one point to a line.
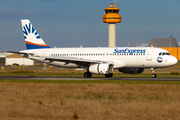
x=81, y=78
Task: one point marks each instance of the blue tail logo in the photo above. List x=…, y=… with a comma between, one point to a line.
x=27, y=30
x=32, y=38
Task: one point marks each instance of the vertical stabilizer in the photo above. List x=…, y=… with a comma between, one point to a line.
x=32, y=38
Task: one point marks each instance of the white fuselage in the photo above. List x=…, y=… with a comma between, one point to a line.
x=120, y=57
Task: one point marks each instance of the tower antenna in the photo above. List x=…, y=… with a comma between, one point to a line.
x=116, y=4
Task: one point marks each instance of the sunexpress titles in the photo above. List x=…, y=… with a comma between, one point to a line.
x=129, y=50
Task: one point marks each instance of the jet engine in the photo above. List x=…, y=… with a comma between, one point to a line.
x=103, y=68
x=132, y=70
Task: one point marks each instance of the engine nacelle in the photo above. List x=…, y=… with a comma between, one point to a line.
x=103, y=68
x=132, y=70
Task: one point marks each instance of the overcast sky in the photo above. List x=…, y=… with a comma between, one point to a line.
x=70, y=23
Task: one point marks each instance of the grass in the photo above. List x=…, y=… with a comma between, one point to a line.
x=91, y=82
x=89, y=101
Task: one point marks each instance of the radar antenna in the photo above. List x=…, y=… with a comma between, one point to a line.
x=116, y=4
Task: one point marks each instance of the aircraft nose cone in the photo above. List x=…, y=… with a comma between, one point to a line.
x=174, y=61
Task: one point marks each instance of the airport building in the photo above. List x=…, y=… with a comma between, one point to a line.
x=11, y=59
x=112, y=17
x=170, y=44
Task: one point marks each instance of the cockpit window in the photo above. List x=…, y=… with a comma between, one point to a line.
x=164, y=53
x=160, y=53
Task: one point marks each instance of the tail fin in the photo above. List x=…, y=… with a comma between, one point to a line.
x=32, y=38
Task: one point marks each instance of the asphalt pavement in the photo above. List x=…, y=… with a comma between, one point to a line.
x=81, y=78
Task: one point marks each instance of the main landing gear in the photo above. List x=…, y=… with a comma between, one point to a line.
x=88, y=75
x=153, y=73
x=109, y=75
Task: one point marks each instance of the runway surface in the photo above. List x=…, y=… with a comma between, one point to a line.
x=81, y=78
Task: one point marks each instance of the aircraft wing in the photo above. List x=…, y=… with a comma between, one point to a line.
x=78, y=61
x=67, y=60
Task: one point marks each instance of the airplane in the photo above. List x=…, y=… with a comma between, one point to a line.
x=96, y=60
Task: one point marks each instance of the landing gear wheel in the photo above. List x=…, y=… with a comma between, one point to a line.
x=108, y=75
x=153, y=75
x=87, y=75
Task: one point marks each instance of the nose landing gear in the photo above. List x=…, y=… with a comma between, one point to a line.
x=153, y=73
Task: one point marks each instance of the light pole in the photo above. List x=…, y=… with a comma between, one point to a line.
x=45, y=68
x=44, y=33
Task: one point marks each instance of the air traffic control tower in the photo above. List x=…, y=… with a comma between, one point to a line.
x=112, y=17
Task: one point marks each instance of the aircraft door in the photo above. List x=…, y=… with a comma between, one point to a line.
x=149, y=55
